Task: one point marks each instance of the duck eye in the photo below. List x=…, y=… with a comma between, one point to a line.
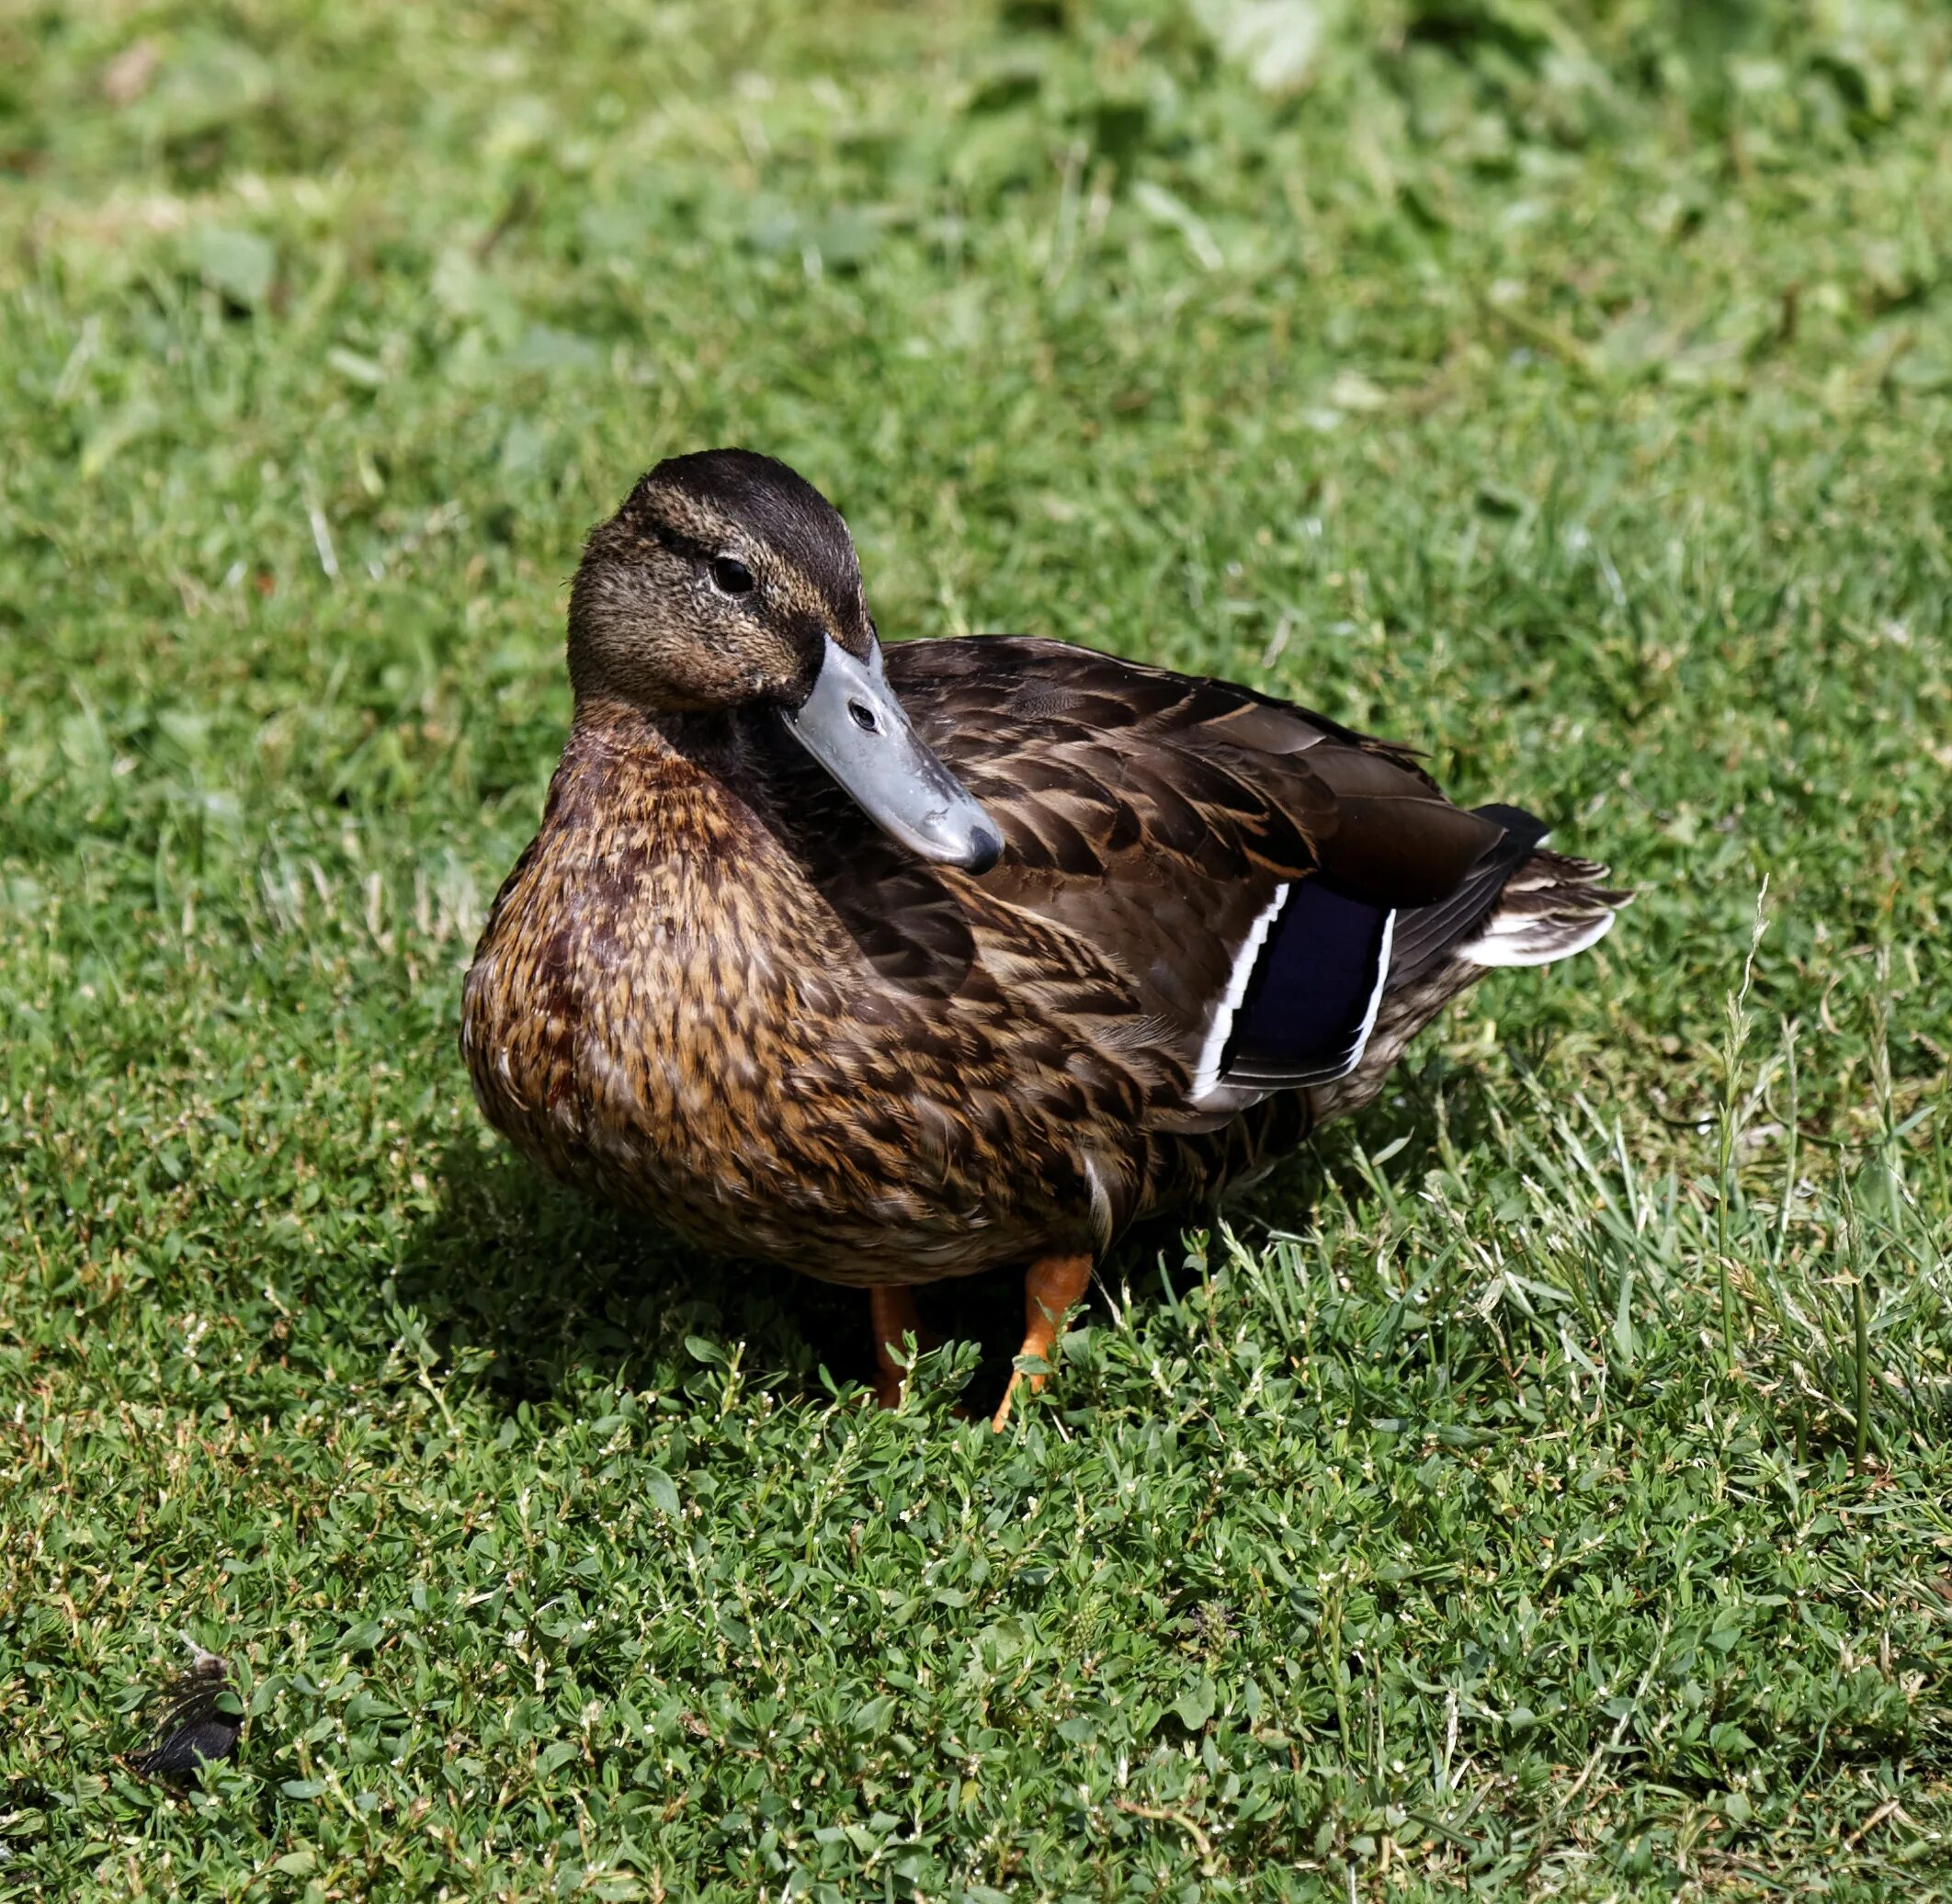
x=730, y=577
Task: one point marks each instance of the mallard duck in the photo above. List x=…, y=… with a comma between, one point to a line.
x=896, y=963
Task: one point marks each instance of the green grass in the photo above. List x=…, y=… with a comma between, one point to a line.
x=1494, y=1505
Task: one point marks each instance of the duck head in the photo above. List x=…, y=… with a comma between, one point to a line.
x=727, y=583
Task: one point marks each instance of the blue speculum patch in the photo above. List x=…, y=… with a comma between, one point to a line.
x=1307, y=1006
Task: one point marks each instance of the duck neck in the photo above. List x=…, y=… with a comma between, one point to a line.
x=722, y=743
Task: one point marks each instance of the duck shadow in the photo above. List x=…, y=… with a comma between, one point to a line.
x=539, y=1292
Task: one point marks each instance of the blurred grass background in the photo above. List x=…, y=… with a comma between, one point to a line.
x=1542, y=1487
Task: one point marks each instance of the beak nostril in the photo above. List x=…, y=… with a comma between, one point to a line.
x=863, y=717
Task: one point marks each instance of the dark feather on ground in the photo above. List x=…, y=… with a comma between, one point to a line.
x=198, y=1720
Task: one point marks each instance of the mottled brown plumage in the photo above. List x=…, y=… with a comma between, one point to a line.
x=715, y=991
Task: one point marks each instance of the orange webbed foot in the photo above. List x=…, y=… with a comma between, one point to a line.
x=1053, y=1287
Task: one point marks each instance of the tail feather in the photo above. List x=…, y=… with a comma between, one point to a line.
x=1551, y=908
x=1522, y=906
x=1427, y=937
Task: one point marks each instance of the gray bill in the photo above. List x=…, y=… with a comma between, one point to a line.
x=853, y=725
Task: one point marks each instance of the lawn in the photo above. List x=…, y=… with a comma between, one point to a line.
x=1540, y=1487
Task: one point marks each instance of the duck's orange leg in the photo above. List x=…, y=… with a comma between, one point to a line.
x=1052, y=1286
x=892, y=1309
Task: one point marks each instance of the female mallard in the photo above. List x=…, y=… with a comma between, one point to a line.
x=898, y=964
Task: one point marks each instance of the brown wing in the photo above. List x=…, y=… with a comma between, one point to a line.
x=1158, y=817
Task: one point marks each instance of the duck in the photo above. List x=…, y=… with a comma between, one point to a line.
x=895, y=962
